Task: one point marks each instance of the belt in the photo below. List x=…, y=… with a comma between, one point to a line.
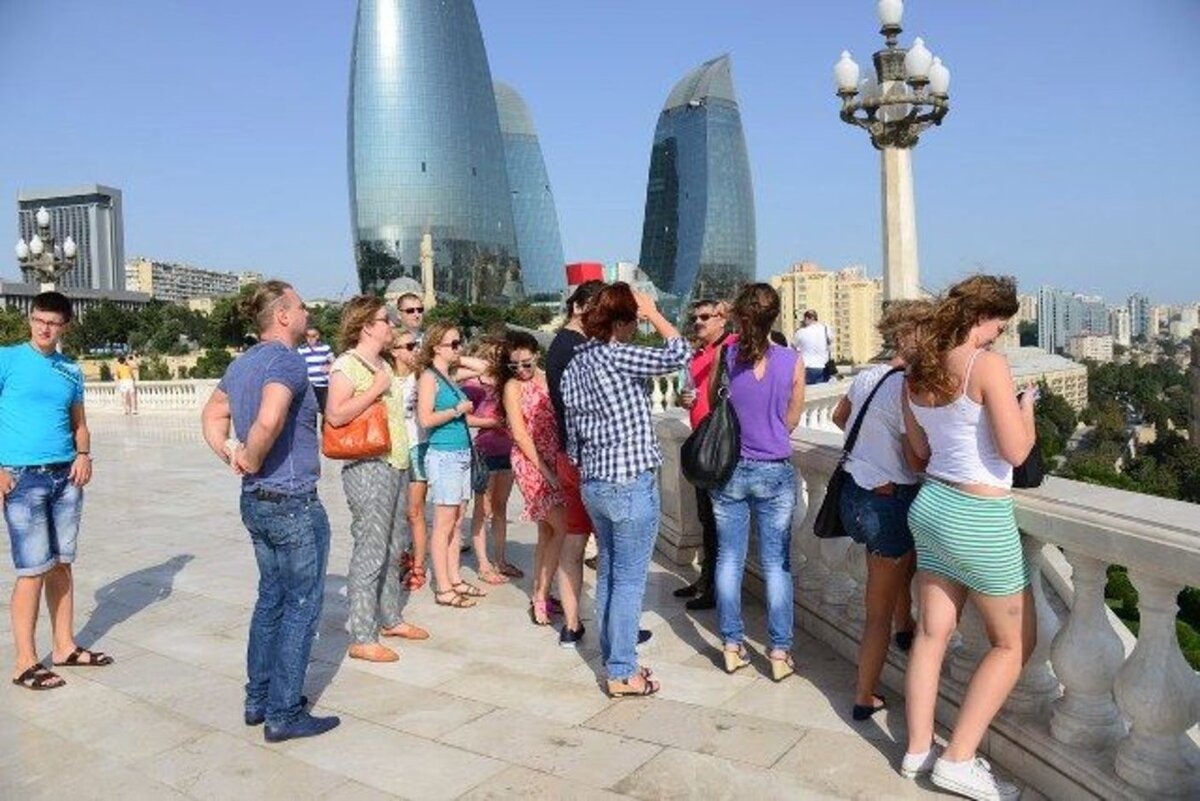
x=279, y=497
x=41, y=468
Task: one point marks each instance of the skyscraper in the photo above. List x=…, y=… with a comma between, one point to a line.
x=425, y=157
x=535, y=218
x=698, y=231
x=89, y=214
x=1139, y=317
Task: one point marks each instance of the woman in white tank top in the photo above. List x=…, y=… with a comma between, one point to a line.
x=962, y=414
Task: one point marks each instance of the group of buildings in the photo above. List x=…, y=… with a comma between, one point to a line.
x=1085, y=327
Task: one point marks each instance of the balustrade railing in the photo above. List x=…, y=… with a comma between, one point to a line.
x=152, y=396
x=1098, y=711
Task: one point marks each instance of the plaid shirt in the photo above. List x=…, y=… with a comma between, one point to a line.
x=609, y=434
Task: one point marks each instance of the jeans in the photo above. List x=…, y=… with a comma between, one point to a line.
x=769, y=489
x=626, y=520
x=42, y=513
x=291, y=544
x=815, y=375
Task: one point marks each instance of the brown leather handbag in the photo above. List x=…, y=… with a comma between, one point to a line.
x=364, y=437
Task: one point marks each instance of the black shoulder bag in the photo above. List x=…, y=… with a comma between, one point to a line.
x=828, y=523
x=711, y=452
x=1031, y=472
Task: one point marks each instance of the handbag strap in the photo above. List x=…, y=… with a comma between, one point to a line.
x=718, y=381
x=458, y=391
x=852, y=437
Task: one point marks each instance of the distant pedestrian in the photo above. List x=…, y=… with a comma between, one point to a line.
x=766, y=389
x=45, y=462
x=815, y=344
x=127, y=385
x=963, y=416
x=318, y=358
x=266, y=395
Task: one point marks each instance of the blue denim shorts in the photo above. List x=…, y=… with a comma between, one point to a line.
x=879, y=522
x=42, y=513
x=449, y=476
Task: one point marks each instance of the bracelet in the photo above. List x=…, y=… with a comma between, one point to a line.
x=83, y=453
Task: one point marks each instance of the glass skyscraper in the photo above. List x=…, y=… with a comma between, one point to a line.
x=698, y=232
x=429, y=193
x=538, y=242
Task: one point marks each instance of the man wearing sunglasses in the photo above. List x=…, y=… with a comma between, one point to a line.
x=410, y=309
x=708, y=321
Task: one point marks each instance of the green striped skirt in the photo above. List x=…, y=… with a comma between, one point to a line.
x=969, y=539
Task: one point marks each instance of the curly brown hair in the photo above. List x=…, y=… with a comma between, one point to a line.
x=755, y=310
x=902, y=323
x=513, y=341
x=965, y=305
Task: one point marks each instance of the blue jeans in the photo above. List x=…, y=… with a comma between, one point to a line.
x=769, y=489
x=626, y=519
x=815, y=375
x=291, y=543
x=42, y=513
x=880, y=522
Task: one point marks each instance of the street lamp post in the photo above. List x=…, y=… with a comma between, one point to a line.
x=908, y=93
x=42, y=256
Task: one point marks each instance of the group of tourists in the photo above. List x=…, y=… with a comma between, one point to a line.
x=939, y=431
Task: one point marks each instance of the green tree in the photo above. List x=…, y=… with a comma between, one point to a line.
x=212, y=363
x=1027, y=330
x=154, y=368
x=14, y=327
x=105, y=372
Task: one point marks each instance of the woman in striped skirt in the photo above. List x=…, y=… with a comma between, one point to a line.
x=962, y=415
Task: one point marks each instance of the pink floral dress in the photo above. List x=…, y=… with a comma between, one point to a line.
x=539, y=496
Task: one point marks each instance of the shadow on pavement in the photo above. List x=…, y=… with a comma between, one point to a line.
x=125, y=597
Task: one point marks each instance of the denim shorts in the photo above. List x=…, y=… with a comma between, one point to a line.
x=42, y=513
x=449, y=476
x=501, y=461
x=880, y=522
x=416, y=462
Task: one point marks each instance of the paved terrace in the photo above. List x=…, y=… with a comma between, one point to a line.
x=490, y=707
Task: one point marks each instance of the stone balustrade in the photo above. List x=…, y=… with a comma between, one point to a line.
x=1098, y=712
x=152, y=396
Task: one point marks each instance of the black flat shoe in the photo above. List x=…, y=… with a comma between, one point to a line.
x=705, y=601
x=690, y=591
x=864, y=712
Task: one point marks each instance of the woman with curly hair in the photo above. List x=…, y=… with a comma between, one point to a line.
x=962, y=416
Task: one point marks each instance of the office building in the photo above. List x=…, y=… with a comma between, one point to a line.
x=426, y=165
x=848, y=301
x=168, y=281
x=1091, y=347
x=698, y=238
x=1187, y=321
x=1062, y=315
x=1118, y=324
x=89, y=214
x=805, y=287
x=535, y=218
x=19, y=296
x=1139, y=317
x=1062, y=375
x=1028, y=312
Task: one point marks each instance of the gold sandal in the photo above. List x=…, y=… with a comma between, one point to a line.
x=735, y=659
x=782, y=667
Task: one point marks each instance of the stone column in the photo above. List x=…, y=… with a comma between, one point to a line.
x=901, y=274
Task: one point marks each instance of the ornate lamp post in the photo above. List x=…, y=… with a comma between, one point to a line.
x=908, y=93
x=42, y=256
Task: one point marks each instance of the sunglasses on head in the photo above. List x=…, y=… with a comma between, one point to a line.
x=524, y=364
x=409, y=346
x=414, y=310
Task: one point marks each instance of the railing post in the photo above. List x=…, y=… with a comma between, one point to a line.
x=1087, y=654
x=1160, y=694
x=1037, y=687
x=811, y=575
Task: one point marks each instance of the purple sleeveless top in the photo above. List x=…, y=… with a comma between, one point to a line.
x=761, y=405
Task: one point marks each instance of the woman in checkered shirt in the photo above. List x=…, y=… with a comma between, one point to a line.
x=611, y=438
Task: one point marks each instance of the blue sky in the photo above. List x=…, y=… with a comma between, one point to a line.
x=1069, y=157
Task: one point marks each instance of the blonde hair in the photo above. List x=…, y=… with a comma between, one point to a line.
x=433, y=337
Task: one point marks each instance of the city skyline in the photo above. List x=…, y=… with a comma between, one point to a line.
x=250, y=173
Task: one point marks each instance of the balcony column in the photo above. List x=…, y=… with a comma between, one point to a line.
x=1037, y=687
x=1087, y=654
x=1160, y=694
x=839, y=587
x=811, y=574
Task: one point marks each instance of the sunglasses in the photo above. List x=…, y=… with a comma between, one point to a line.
x=409, y=346
x=703, y=317
x=453, y=344
x=524, y=364
x=414, y=310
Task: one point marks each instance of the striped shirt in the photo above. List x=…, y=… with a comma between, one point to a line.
x=609, y=433
x=317, y=357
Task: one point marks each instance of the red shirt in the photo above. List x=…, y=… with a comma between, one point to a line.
x=701, y=369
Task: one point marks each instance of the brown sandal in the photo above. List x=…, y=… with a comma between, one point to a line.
x=512, y=571
x=471, y=590
x=456, y=600
x=624, y=689
x=39, y=677
x=94, y=659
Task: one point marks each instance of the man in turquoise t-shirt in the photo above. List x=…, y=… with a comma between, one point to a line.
x=45, y=461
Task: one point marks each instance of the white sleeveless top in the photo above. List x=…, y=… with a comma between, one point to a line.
x=961, y=443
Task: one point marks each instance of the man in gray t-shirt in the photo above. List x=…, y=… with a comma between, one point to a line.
x=265, y=394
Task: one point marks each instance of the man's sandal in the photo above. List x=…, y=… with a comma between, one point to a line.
x=468, y=589
x=94, y=659
x=624, y=689
x=456, y=600
x=39, y=677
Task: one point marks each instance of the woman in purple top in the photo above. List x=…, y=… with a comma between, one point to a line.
x=495, y=446
x=766, y=389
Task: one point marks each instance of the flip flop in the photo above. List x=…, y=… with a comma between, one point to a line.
x=95, y=659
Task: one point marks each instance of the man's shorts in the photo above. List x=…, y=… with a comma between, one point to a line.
x=42, y=512
x=578, y=521
x=416, y=462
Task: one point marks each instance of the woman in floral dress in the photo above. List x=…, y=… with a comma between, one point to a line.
x=535, y=439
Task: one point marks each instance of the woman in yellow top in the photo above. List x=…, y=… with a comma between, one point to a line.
x=376, y=489
x=126, y=385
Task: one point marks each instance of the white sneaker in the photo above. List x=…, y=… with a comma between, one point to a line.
x=914, y=765
x=973, y=779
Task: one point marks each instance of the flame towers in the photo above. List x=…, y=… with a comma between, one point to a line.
x=698, y=232
x=426, y=160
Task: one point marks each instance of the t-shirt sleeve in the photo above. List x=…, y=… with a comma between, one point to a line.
x=287, y=369
x=5, y=361
x=77, y=394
